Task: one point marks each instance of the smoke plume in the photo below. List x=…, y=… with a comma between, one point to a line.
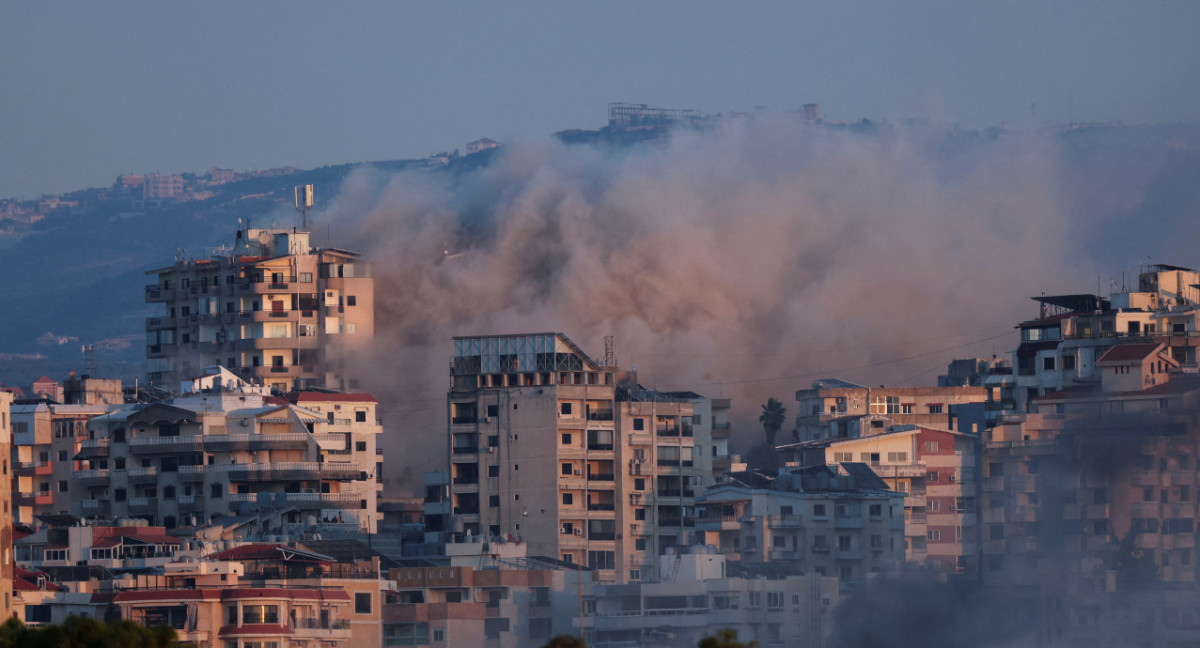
x=743, y=261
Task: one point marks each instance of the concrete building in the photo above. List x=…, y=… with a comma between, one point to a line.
x=46, y=438
x=836, y=409
x=841, y=522
x=276, y=311
x=6, y=505
x=937, y=471
x=1090, y=503
x=1059, y=348
x=483, y=599
x=553, y=448
x=309, y=461
x=705, y=595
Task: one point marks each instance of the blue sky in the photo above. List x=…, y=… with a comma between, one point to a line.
x=92, y=90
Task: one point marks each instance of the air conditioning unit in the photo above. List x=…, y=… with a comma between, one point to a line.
x=578, y=532
x=486, y=419
x=491, y=449
x=577, y=473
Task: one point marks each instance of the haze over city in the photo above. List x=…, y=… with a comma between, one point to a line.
x=462, y=324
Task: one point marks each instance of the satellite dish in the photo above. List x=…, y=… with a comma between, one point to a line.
x=264, y=237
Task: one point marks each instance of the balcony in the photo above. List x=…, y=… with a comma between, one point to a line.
x=155, y=323
x=600, y=477
x=718, y=523
x=721, y=430
x=345, y=501
x=95, y=507
x=191, y=503
x=285, y=441
x=170, y=445
x=145, y=475
x=30, y=468
x=283, y=470
x=94, y=477
x=600, y=415
x=601, y=506
x=159, y=350
x=156, y=293
x=142, y=505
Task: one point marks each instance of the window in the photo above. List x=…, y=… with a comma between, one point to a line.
x=566, y=439
x=818, y=510
x=215, y=491
x=260, y=614
x=639, y=514
x=934, y=534
x=1048, y=363
x=931, y=476
x=305, y=277
x=877, y=542
x=494, y=471
x=360, y=416
x=1068, y=363
x=565, y=409
x=843, y=543
x=168, y=492
x=639, y=484
x=62, y=455
x=931, y=446
x=360, y=446
x=493, y=501
x=118, y=494
x=897, y=457
x=568, y=499
x=62, y=486
x=409, y=634
x=843, y=457
x=362, y=602
x=351, y=300
x=935, y=408
x=566, y=469
x=639, y=544
x=876, y=510
x=639, y=424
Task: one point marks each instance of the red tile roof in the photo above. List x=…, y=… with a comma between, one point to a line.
x=1129, y=352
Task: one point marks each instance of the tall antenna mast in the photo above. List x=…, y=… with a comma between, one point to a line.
x=304, y=202
x=610, y=360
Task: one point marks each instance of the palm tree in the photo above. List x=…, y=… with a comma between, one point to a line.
x=772, y=418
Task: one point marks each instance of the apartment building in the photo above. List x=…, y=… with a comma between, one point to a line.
x=505, y=603
x=705, y=595
x=937, y=471
x=1059, y=348
x=277, y=311
x=46, y=438
x=308, y=463
x=6, y=505
x=571, y=456
x=837, y=409
x=1090, y=502
x=831, y=521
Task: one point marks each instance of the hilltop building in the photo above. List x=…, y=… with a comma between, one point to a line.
x=277, y=311
x=569, y=455
x=306, y=462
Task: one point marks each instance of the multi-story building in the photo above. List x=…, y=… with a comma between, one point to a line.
x=6, y=505
x=705, y=595
x=482, y=600
x=1059, y=348
x=276, y=311
x=548, y=446
x=309, y=463
x=47, y=437
x=840, y=522
x=936, y=470
x=836, y=409
x=1090, y=503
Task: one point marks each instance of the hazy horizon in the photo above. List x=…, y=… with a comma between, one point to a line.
x=93, y=92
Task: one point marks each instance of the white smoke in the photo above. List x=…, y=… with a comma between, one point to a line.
x=744, y=261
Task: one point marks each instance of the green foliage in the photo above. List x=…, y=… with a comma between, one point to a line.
x=86, y=632
x=725, y=638
x=772, y=418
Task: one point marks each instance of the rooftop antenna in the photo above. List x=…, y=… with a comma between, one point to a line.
x=89, y=358
x=304, y=202
x=610, y=359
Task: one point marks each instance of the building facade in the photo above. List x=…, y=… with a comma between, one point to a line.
x=308, y=464
x=550, y=447
x=836, y=409
x=277, y=312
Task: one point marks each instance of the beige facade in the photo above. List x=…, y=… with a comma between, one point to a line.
x=6, y=506
x=551, y=448
x=277, y=311
x=836, y=409
x=47, y=437
x=305, y=463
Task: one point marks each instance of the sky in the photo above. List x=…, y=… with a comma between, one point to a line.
x=89, y=90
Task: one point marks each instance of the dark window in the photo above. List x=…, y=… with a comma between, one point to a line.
x=118, y=494
x=566, y=469
x=1048, y=363
x=215, y=491
x=362, y=603
x=493, y=410
x=351, y=300
x=360, y=446
x=494, y=471
x=566, y=439
x=493, y=500
x=568, y=499
x=360, y=416
x=639, y=424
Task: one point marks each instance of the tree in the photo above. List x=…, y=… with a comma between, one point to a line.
x=772, y=418
x=85, y=632
x=725, y=638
